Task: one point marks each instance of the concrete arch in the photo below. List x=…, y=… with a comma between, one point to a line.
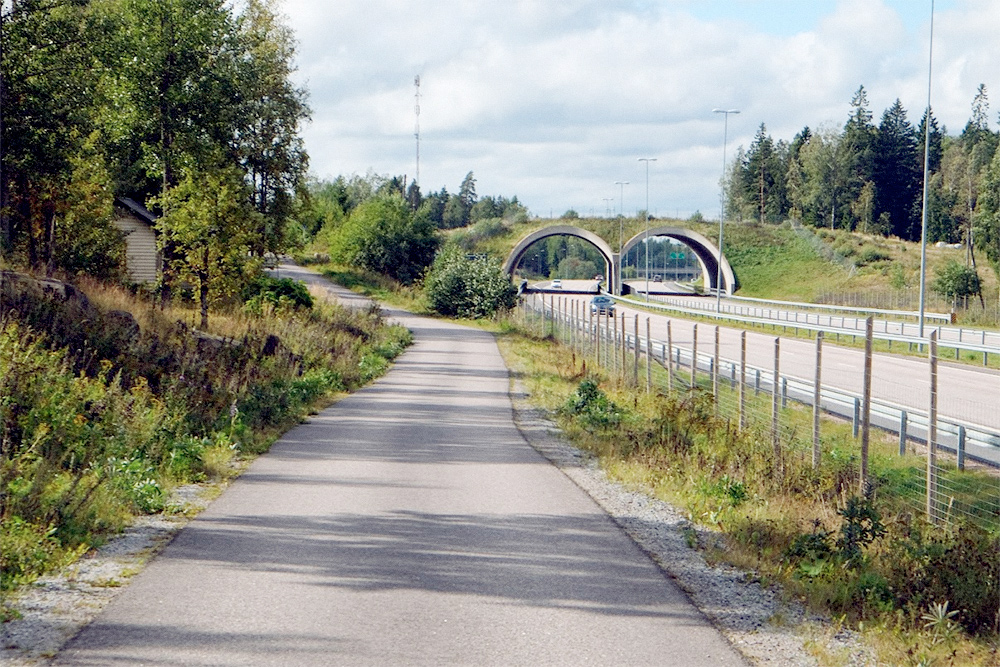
x=610, y=257
x=706, y=252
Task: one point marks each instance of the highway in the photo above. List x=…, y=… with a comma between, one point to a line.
x=965, y=393
x=408, y=524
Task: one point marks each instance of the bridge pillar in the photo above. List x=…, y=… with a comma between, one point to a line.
x=615, y=274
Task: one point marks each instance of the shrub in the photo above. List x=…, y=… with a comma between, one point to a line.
x=279, y=292
x=593, y=407
x=383, y=235
x=460, y=286
x=956, y=281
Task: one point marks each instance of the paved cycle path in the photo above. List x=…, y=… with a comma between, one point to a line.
x=409, y=523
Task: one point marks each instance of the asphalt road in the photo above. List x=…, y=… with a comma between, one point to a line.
x=966, y=393
x=410, y=523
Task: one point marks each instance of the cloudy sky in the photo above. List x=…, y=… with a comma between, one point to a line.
x=555, y=100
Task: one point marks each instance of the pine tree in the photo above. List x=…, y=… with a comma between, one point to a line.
x=897, y=175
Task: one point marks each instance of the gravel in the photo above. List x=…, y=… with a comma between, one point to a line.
x=54, y=608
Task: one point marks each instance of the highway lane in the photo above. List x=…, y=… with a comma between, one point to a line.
x=410, y=523
x=964, y=392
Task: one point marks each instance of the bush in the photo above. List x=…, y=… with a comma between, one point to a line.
x=593, y=407
x=384, y=235
x=279, y=292
x=460, y=286
x=956, y=281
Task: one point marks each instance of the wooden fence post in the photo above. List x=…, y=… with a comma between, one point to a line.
x=817, y=385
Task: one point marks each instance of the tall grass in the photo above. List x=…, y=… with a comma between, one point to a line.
x=106, y=402
x=870, y=561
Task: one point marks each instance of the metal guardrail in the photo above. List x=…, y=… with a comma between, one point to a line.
x=946, y=334
x=968, y=441
x=858, y=329
x=944, y=317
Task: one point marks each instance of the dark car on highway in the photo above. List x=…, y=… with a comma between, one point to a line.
x=602, y=304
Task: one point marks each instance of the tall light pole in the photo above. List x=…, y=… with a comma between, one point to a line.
x=607, y=204
x=927, y=152
x=722, y=214
x=647, y=160
x=621, y=226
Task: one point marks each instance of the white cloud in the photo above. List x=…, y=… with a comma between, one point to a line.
x=554, y=101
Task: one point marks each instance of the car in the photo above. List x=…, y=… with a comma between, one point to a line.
x=602, y=304
x=556, y=284
x=599, y=278
x=657, y=278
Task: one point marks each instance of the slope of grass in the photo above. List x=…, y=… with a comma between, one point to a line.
x=107, y=402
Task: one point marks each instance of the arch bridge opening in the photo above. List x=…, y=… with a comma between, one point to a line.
x=572, y=255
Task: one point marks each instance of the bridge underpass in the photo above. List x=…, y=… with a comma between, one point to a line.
x=706, y=253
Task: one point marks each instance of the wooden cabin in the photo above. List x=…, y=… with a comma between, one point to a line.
x=142, y=256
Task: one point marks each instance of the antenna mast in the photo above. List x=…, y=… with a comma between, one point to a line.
x=416, y=131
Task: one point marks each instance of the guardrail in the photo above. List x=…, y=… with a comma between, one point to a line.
x=802, y=321
x=967, y=440
x=946, y=334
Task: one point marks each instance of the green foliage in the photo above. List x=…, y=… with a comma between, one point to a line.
x=205, y=234
x=279, y=292
x=592, y=407
x=383, y=235
x=956, y=281
x=862, y=525
x=461, y=286
x=98, y=419
x=927, y=565
x=125, y=97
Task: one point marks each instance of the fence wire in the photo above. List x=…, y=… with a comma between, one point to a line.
x=807, y=403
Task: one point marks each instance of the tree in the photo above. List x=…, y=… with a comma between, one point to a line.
x=822, y=178
x=458, y=285
x=987, y=215
x=48, y=73
x=208, y=223
x=957, y=282
x=267, y=121
x=855, y=155
x=763, y=178
x=897, y=173
x=467, y=191
x=385, y=236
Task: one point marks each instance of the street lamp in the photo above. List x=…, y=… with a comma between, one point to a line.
x=621, y=224
x=923, y=214
x=647, y=160
x=722, y=215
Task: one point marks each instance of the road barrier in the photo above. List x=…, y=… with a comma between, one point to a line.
x=613, y=346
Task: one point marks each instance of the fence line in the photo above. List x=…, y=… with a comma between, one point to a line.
x=604, y=338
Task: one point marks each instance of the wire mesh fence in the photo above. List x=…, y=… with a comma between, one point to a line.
x=933, y=437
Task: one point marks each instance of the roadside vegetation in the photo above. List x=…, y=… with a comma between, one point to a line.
x=920, y=594
x=107, y=403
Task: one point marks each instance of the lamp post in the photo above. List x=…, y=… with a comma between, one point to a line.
x=722, y=214
x=647, y=160
x=621, y=225
x=927, y=146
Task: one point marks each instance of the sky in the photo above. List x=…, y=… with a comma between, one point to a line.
x=554, y=101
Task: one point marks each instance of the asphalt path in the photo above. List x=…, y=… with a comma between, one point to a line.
x=410, y=523
x=966, y=393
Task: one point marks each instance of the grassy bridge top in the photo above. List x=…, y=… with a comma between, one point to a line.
x=771, y=261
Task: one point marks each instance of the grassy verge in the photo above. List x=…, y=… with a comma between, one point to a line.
x=868, y=562
x=107, y=402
